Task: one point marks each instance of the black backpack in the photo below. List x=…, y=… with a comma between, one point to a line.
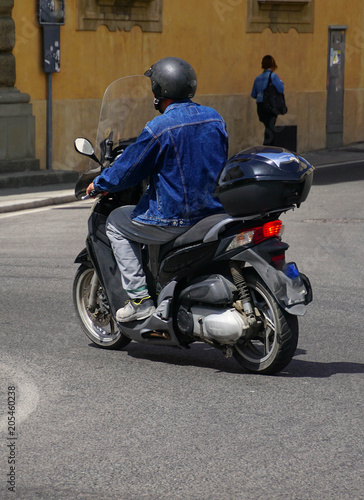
x=273, y=101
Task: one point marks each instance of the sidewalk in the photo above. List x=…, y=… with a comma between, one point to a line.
x=12, y=200
x=351, y=153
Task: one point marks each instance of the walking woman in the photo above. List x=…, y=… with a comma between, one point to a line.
x=269, y=67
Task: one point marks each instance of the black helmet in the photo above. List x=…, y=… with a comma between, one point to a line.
x=173, y=78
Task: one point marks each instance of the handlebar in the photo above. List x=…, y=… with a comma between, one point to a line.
x=92, y=194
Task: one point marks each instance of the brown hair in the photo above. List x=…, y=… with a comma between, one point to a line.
x=268, y=62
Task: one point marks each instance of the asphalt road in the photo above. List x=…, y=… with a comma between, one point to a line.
x=162, y=423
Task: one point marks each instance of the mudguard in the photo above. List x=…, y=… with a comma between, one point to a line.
x=83, y=257
x=292, y=294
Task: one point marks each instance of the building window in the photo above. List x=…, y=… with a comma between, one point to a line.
x=280, y=15
x=120, y=14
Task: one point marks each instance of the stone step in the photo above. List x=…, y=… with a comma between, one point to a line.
x=10, y=166
x=37, y=178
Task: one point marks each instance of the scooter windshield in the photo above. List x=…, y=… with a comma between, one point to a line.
x=126, y=107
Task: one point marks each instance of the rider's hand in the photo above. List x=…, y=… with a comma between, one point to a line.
x=92, y=192
x=90, y=188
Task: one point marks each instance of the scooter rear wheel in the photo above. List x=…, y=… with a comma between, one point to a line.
x=98, y=324
x=274, y=346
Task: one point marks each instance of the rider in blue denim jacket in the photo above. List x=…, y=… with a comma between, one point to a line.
x=182, y=152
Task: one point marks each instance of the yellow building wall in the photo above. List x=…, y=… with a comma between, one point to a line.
x=211, y=35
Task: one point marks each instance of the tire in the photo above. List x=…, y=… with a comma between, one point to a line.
x=99, y=326
x=274, y=346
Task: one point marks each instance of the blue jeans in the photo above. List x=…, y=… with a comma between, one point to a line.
x=126, y=237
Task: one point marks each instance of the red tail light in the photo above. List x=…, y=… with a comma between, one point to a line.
x=268, y=230
x=272, y=228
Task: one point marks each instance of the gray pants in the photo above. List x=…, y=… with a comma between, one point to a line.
x=125, y=236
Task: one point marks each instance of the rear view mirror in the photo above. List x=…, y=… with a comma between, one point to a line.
x=84, y=147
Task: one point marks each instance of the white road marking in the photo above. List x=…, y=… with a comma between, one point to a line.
x=27, y=394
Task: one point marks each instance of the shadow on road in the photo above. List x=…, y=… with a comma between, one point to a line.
x=314, y=369
x=199, y=355
x=203, y=356
x=335, y=174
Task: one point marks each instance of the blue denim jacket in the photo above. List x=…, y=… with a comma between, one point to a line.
x=261, y=82
x=182, y=151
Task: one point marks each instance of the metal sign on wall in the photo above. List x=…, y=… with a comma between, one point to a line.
x=51, y=12
x=51, y=48
x=51, y=17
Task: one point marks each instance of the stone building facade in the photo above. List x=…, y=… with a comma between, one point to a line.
x=318, y=46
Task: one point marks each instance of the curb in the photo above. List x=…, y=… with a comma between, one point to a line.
x=16, y=206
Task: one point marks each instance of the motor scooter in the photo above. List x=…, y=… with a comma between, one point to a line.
x=225, y=281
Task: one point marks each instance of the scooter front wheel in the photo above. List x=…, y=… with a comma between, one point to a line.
x=96, y=321
x=273, y=347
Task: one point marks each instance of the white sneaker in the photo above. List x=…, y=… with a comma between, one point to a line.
x=136, y=310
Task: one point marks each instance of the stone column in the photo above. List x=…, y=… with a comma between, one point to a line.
x=17, y=123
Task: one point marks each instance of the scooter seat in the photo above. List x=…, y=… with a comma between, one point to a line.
x=195, y=234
